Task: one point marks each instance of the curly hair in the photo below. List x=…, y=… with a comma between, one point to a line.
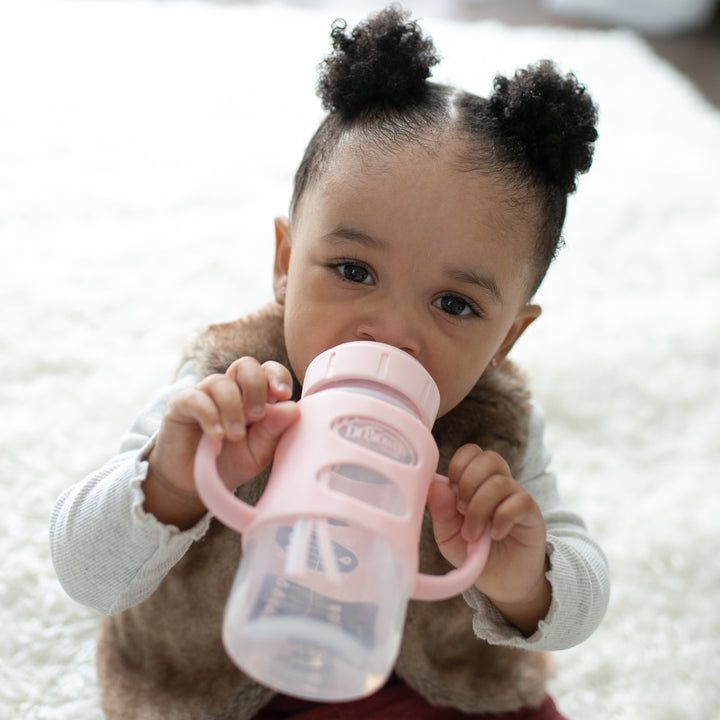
x=383, y=63
x=537, y=130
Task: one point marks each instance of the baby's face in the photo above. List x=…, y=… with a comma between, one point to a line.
x=407, y=250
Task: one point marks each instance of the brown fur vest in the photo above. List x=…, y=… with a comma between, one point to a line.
x=164, y=659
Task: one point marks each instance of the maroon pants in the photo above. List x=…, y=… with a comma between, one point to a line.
x=395, y=701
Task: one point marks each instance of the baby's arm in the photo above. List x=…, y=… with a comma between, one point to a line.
x=563, y=559
x=486, y=495
x=109, y=549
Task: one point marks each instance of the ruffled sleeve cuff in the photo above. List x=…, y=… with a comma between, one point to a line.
x=162, y=545
x=579, y=601
x=491, y=626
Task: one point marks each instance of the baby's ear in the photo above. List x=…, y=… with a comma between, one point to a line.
x=282, y=258
x=527, y=315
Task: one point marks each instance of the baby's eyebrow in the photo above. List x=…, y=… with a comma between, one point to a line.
x=341, y=232
x=472, y=277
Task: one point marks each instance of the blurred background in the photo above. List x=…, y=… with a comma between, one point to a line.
x=684, y=32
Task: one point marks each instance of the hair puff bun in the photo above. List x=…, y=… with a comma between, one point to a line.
x=547, y=119
x=384, y=62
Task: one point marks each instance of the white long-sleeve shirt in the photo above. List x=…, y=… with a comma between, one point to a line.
x=110, y=554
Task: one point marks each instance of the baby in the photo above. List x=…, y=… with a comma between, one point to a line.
x=424, y=217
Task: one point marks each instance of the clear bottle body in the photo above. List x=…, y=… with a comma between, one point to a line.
x=311, y=636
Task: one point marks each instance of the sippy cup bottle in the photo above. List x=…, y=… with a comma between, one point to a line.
x=330, y=551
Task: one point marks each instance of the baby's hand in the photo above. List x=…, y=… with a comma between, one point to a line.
x=247, y=407
x=483, y=493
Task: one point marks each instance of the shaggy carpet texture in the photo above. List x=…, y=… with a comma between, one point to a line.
x=145, y=148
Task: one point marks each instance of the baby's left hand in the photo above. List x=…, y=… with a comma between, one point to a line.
x=482, y=491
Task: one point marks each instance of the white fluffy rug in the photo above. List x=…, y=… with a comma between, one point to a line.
x=144, y=150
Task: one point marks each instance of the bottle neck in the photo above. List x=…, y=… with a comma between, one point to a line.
x=376, y=390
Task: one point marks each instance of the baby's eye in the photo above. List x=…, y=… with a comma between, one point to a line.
x=354, y=272
x=454, y=305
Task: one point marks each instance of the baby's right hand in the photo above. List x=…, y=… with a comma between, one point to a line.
x=247, y=407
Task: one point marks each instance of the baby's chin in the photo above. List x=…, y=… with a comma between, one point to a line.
x=448, y=402
x=447, y=407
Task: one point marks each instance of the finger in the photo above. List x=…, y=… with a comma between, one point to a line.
x=227, y=397
x=520, y=516
x=447, y=521
x=250, y=377
x=263, y=436
x=280, y=383
x=479, y=466
x=460, y=461
x=484, y=503
x=195, y=407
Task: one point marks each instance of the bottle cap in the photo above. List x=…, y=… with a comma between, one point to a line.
x=375, y=362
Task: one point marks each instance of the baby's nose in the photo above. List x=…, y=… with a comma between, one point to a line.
x=392, y=328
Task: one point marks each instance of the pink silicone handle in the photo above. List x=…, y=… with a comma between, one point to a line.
x=218, y=498
x=441, y=587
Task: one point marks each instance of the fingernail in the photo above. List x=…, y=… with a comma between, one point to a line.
x=256, y=412
x=237, y=430
x=219, y=430
x=461, y=506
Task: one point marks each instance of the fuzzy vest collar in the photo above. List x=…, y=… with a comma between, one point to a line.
x=164, y=658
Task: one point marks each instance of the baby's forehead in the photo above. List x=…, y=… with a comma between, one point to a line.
x=359, y=158
x=428, y=181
